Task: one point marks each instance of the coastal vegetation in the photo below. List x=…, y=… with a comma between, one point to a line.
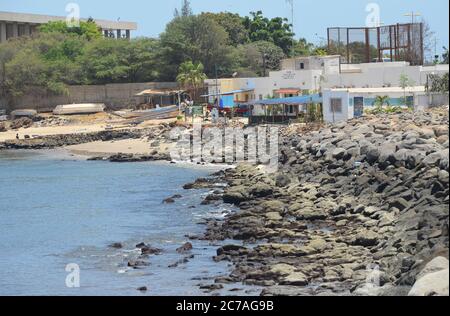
x=224, y=43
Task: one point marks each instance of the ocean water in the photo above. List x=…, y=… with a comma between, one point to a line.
x=57, y=210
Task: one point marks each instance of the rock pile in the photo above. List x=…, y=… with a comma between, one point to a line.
x=355, y=208
x=23, y=122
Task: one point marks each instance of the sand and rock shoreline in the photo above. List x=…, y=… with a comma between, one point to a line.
x=356, y=208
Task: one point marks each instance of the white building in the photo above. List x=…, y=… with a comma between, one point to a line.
x=376, y=75
x=298, y=76
x=347, y=89
x=344, y=104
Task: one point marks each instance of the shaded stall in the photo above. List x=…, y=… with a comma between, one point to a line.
x=150, y=98
x=234, y=101
x=286, y=110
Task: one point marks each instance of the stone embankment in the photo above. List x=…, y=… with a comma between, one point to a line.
x=357, y=208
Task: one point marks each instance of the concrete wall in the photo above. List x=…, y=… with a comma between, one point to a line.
x=115, y=96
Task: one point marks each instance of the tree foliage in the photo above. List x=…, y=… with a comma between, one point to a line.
x=88, y=29
x=191, y=76
x=221, y=44
x=198, y=38
x=276, y=30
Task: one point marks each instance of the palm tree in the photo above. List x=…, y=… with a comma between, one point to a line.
x=191, y=77
x=381, y=101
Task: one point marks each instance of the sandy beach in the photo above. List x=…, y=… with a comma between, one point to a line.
x=127, y=146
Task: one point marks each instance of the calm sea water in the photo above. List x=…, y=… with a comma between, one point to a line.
x=57, y=210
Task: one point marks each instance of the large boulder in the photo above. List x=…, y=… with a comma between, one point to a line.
x=435, y=265
x=235, y=195
x=261, y=190
x=432, y=284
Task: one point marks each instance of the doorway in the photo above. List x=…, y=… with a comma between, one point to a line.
x=358, y=106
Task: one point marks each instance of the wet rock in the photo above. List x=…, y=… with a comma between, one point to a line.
x=185, y=248
x=235, y=195
x=116, y=245
x=169, y=201
x=148, y=250
x=211, y=287
x=142, y=289
x=136, y=264
x=231, y=250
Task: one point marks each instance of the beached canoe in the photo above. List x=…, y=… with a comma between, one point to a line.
x=23, y=113
x=85, y=108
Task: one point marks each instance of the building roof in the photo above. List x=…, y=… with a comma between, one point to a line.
x=304, y=99
x=381, y=90
x=288, y=91
x=42, y=19
x=228, y=93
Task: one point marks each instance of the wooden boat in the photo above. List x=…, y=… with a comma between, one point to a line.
x=85, y=108
x=153, y=114
x=23, y=113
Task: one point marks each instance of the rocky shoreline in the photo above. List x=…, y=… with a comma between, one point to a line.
x=355, y=209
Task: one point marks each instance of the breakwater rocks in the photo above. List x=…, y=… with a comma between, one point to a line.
x=357, y=208
x=53, y=141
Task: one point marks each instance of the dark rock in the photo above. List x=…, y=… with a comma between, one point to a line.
x=116, y=245
x=185, y=248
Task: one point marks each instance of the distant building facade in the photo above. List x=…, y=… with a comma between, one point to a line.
x=14, y=25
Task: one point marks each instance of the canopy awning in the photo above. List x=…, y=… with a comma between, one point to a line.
x=158, y=92
x=304, y=99
x=287, y=91
x=228, y=93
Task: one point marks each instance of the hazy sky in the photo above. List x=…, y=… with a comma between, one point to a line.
x=312, y=17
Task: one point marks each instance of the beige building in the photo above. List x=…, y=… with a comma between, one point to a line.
x=24, y=24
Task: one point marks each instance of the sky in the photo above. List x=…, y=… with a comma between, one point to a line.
x=311, y=17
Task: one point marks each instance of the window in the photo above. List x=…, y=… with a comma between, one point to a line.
x=302, y=65
x=291, y=109
x=336, y=105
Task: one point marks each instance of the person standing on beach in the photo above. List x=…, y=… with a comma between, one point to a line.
x=17, y=136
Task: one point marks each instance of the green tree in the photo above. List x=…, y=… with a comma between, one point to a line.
x=380, y=102
x=88, y=29
x=233, y=25
x=405, y=82
x=302, y=48
x=191, y=76
x=186, y=9
x=198, y=38
x=276, y=30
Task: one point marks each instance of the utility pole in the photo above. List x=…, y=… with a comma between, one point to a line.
x=264, y=56
x=292, y=4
